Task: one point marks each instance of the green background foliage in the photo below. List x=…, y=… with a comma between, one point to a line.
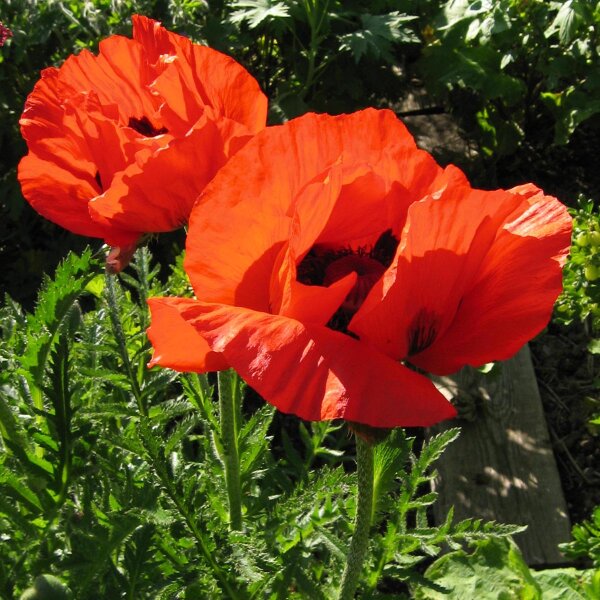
x=112, y=475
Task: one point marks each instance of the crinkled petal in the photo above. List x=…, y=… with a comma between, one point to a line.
x=475, y=276
x=118, y=75
x=176, y=343
x=199, y=77
x=97, y=119
x=158, y=190
x=311, y=371
x=275, y=169
x=62, y=196
x=74, y=150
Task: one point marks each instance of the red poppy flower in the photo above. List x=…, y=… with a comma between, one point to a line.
x=121, y=143
x=331, y=258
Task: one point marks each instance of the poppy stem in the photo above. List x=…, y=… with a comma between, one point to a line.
x=229, y=405
x=362, y=521
x=114, y=314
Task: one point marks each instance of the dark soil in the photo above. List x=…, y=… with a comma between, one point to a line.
x=568, y=380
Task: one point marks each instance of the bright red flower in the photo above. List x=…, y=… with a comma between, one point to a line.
x=330, y=257
x=122, y=143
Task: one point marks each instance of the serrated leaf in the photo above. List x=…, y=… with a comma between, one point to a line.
x=377, y=35
x=256, y=12
x=564, y=584
x=389, y=458
x=54, y=304
x=496, y=570
x=17, y=489
x=435, y=446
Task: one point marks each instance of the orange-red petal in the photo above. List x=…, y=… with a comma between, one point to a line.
x=97, y=119
x=176, y=343
x=118, y=75
x=260, y=192
x=304, y=369
x=157, y=191
x=200, y=77
x=475, y=276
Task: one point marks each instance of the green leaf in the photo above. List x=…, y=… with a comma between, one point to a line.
x=256, y=12
x=377, y=36
x=495, y=571
x=570, y=108
x=96, y=286
x=458, y=12
x=18, y=490
x=390, y=456
x=477, y=68
x=566, y=23
x=54, y=304
x=436, y=445
x=586, y=539
x=564, y=584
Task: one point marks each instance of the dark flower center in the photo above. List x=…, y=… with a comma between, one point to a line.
x=324, y=267
x=422, y=331
x=145, y=127
x=368, y=270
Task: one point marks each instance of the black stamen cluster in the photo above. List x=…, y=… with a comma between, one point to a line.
x=313, y=267
x=145, y=127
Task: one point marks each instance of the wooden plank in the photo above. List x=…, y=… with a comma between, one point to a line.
x=502, y=467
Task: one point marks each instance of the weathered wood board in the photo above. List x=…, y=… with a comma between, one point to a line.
x=502, y=467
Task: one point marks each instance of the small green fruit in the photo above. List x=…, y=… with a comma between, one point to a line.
x=595, y=238
x=591, y=272
x=583, y=239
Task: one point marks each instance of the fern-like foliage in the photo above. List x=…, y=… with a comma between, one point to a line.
x=55, y=302
x=403, y=496
x=113, y=476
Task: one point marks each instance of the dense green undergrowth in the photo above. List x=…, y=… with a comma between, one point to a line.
x=112, y=475
x=519, y=76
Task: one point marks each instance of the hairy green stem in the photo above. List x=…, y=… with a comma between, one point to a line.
x=64, y=413
x=362, y=522
x=220, y=574
x=228, y=411
x=114, y=313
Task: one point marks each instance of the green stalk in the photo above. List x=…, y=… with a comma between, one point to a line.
x=228, y=412
x=115, y=320
x=362, y=522
x=63, y=413
x=202, y=543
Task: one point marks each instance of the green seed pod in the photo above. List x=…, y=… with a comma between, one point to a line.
x=46, y=587
x=595, y=238
x=582, y=239
x=591, y=272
